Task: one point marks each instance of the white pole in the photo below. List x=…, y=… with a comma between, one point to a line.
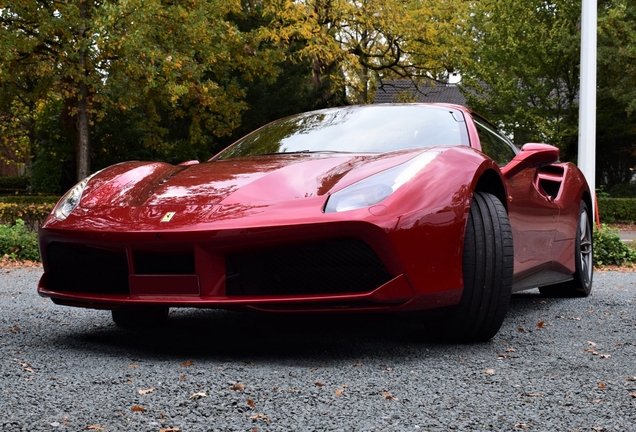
x=587, y=101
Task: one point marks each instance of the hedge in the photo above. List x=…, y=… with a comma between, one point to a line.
x=617, y=209
x=32, y=214
x=29, y=199
x=12, y=184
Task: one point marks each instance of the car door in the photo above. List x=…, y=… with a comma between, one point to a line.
x=532, y=211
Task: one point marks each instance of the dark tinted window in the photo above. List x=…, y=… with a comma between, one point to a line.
x=494, y=144
x=373, y=128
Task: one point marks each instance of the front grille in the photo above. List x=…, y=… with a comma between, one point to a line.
x=166, y=263
x=79, y=268
x=338, y=266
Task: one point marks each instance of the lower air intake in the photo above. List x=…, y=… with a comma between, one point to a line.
x=86, y=269
x=338, y=266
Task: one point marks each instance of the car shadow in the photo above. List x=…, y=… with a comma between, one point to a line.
x=200, y=333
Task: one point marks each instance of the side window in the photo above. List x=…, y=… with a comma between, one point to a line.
x=493, y=144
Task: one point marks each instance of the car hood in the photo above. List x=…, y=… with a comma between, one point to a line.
x=258, y=179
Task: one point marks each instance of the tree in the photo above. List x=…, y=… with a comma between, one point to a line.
x=523, y=69
x=616, y=122
x=353, y=44
x=172, y=60
x=617, y=50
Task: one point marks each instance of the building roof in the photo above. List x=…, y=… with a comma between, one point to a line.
x=404, y=90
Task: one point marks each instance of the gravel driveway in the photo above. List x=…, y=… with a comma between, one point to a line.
x=556, y=365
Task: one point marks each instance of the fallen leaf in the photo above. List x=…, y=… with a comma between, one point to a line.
x=137, y=408
x=259, y=416
x=596, y=428
x=133, y=366
x=387, y=395
x=94, y=427
x=339, y=392
x=521, y=330
x=143, y=392
x=510, y=350
x=251, y=403
x=489, y=371
x=187, y=364
x=319, y=384
x=199, y=395
x=591, y=343
x=238, y=387
x=534, y=394
x=170, y=429
x=506, y=356
x=602, y=385
x=633, y=395
x=357, y=364
x=521, y=425
x=540, y=324
x=129, y=380
x=182, y=378
x=631, y=379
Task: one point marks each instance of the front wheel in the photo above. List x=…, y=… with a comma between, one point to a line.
x=581, y=283
x=487, y=268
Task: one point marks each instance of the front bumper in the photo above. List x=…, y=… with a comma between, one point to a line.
x=337, y=266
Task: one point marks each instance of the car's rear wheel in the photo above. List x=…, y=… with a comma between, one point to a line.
x=140, y=317
x=581, y=283
x=487, y=271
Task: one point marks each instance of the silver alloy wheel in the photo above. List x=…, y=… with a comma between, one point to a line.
x=585, y=256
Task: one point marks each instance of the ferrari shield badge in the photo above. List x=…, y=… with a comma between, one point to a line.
x=167, y=217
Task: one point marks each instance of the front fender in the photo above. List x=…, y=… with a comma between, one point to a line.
x=429, y=235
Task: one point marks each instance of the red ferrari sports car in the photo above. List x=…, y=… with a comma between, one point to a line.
x=380, y=208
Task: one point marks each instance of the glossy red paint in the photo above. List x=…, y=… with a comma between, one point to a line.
x=223, y=209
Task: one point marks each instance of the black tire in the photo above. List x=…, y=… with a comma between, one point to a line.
x=487, y=267
x=140, y=317
x=581, y=283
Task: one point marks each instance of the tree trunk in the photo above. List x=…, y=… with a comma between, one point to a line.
x=83, y=143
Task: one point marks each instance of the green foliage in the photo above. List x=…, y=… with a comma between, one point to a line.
x=609, y=249
x=617, y=50
x=617, y=209
x=172, y=67
x=18, y=243
x=523, y=68
x=623, y=190
x=616, y=141
x=601, y=192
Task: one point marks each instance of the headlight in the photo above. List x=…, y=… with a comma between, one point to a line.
x=71, y=200
x=378, y=187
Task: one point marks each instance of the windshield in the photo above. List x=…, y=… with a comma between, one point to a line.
x=362, y=129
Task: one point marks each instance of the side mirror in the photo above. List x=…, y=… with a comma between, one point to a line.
x=531, y=155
